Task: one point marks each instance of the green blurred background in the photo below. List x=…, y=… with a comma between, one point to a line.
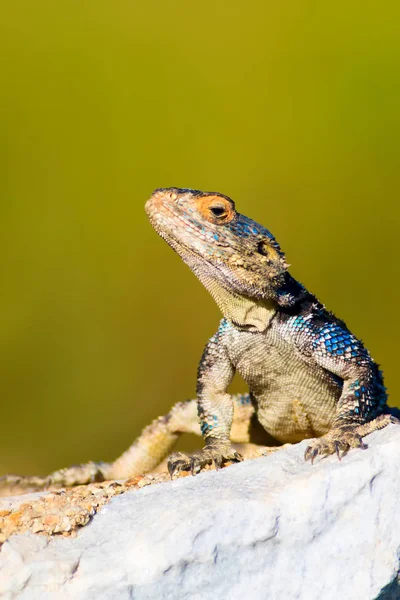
x=290, y=108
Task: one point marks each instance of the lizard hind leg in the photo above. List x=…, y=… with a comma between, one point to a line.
x=154, y=443
x=147, y=451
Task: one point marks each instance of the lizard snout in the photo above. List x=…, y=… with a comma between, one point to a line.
x=161, y=197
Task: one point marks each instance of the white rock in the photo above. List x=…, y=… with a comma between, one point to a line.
x=274, y=528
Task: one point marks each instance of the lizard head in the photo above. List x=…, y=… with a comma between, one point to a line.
x=222, y=247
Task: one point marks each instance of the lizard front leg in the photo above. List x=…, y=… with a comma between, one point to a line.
x=361, y=407
x=215, y=410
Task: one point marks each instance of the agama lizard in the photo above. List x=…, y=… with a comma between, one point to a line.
x=308, y=375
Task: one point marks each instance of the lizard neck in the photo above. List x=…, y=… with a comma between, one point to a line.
x=252, y=314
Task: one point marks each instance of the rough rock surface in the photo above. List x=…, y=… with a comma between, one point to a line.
x=270, y=528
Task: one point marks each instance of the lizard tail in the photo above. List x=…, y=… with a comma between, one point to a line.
x=145, y=454
x=147, y=451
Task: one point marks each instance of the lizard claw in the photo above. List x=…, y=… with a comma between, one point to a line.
x=338, y=441
x=337, y=447
x=194, y=466
x=310, y=453
x=178, y=462
x=216, y=455
x=362, y=445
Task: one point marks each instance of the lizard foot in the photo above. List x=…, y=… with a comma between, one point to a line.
x=217, y=455
x=337, y=441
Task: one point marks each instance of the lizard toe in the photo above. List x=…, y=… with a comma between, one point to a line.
x=310, y=453
x=218, y=456
x=178, y=462
x=338, y=441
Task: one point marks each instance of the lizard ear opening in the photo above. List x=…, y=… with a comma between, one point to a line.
x=272, y=257
x=262, y=248
x=265, y=249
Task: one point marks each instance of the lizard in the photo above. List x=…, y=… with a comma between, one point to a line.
x=308, y=376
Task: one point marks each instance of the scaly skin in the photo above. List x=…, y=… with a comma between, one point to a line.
x=308, y=375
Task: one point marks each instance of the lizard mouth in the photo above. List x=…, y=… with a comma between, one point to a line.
x=179, y=247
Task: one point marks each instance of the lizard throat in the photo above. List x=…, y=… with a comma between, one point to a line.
x=252, y=314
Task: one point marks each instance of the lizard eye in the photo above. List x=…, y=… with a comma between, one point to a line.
x=218, y=211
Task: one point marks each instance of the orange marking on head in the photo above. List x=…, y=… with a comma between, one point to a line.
x=216, y=209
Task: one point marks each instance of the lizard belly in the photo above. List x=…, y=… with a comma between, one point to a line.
x=295, y=400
